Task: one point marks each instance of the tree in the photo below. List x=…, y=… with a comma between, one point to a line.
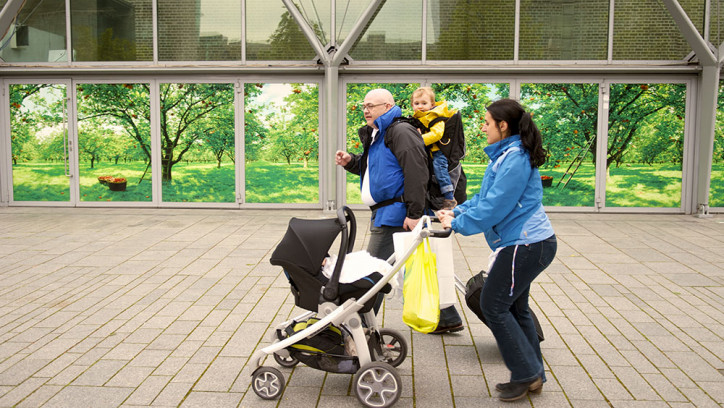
x=125, y=106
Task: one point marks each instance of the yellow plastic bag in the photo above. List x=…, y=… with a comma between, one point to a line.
x=421, y=307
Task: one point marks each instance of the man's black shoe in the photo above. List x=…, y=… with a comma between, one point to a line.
x=455, y=327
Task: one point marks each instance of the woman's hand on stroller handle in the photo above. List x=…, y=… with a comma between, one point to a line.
x=445, y=217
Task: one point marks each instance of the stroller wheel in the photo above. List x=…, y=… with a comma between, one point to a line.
x=267, y=382
x=287, y=362
x=392, y=347
x=377, y=385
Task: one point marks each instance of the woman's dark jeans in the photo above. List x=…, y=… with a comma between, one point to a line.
x=508, y=315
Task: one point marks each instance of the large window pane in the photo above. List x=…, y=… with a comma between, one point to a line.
x=272, y=34
x=645, y=145
x=567, y=116
x=114, y=142
x=318, y=15
x=281, y=133
x=39, y=148
x=199, y=30
x=395, y=33
x=573, y=30
x=644, y=30
x=197, y=143
x=110, y=30
x=716, y=191
x=348, y=13
x=470, y=30
x=37, y=34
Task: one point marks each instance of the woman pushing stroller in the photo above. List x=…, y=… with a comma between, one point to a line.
x=509, y=211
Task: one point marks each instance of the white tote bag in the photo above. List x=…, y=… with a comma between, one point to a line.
x=442, y=247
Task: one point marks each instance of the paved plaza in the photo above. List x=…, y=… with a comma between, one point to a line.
x=163, y=308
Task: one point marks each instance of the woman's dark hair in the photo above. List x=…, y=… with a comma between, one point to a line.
x=520, y=122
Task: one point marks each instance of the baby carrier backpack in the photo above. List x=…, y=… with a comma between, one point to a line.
x=453, y=146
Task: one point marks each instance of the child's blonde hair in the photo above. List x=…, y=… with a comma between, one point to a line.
x=422, y=92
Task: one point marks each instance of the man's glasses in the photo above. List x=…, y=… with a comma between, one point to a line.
x=369, y=106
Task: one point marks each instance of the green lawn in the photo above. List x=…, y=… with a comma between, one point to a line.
x=628, y=186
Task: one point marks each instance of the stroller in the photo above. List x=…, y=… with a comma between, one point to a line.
x=339, y=333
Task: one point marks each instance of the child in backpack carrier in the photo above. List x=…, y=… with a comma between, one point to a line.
x=426, y=110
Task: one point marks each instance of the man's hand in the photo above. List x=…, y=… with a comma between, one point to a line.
x=410, y=224
x=342, y=158
x=446, y=217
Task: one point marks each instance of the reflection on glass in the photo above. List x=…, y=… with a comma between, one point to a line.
x=197, y=143
x=573, y=30
x=716, y=189
x=273, y=35
x=37, y=34
x=114, y=142
x=109, y=30
x=471, y=100
x=39, y=148
x=205, y=30
x=470, y=30
x=281, y=133
x=645, y=145
x=317, y=14
x=348, y=13
x=395, y=33
x=649, y=35
x=567, y=117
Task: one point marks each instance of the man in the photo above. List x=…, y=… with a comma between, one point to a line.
x=393, y=171
x=394, y=174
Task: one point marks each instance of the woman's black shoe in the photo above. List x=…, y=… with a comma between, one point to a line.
x=514, y=391
x=504, y=386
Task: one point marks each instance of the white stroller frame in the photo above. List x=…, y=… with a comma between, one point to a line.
x=376, y=383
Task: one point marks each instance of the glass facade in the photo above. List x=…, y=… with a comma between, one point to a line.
x=644, y=30
x=567, y=117
x=272, y=34
x=470, y=30
x=564, y=30
x=199, y=30
x=244, y=116
x=281, y=136
x=716, y=189
x=395, y=33
x=37, y=34
x=197, y=142
x=109, y=30
x=645, y=147
x=40, y=153
x=114, y=142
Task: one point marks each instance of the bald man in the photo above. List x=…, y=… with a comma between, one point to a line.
x=393, y=171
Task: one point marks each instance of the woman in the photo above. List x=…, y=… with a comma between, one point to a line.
x=509, y=211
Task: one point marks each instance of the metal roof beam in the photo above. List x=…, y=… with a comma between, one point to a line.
x=308, y=32
x=690, y=33
x=339, y=55
x=8, y=14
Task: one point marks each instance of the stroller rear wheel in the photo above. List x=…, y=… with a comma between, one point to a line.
x=377, y=385
x=287, y=362
x=267, y=382
x=392, y=347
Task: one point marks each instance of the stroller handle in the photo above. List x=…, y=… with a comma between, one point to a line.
x=443, y=233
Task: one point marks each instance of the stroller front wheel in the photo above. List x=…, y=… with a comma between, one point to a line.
x=392, y=347
x=377, y=385
x=267, y=382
